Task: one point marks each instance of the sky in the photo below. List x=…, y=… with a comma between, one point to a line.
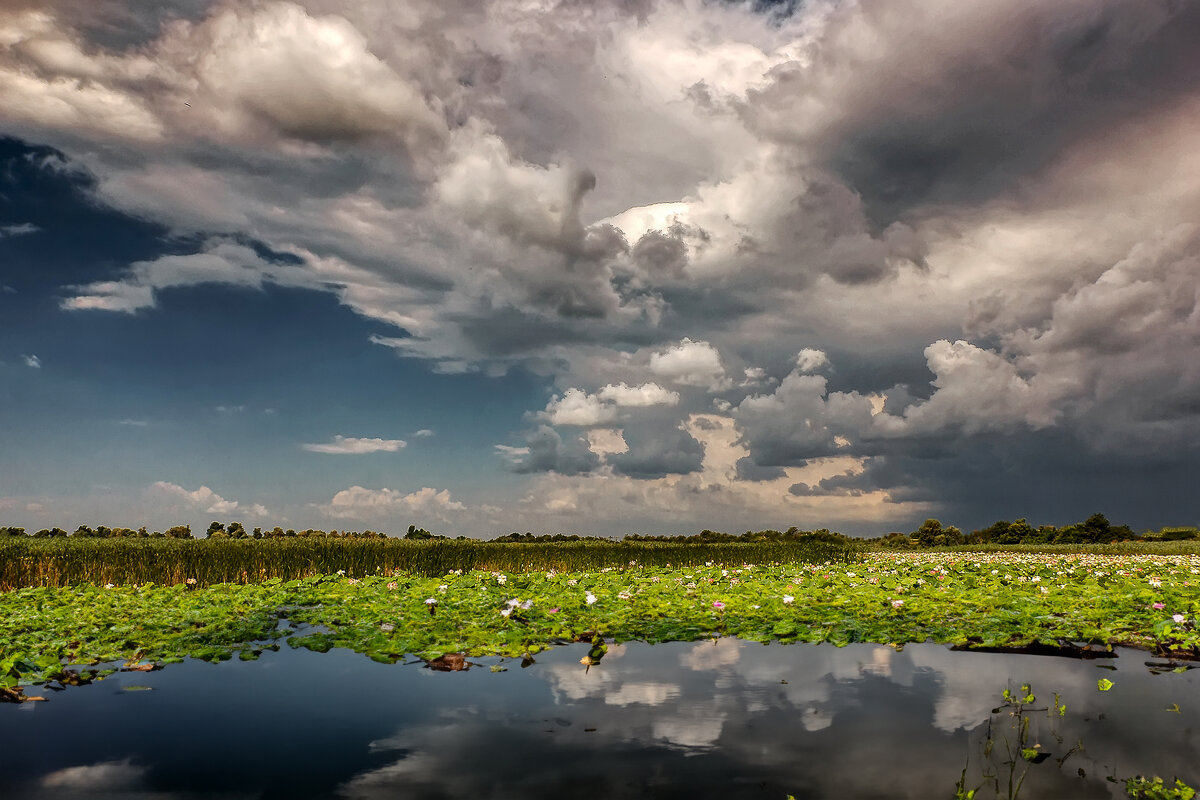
x=602, y=267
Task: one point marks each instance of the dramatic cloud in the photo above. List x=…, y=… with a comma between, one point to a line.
x=349, y=445
x=653, y=452
x=547, y=451
x=898, y=237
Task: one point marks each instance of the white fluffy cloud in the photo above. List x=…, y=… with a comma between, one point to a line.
x=207, y=500
x=358, y=502
x=810, y=360
x=577, y=407
x=691, y=364
x=253, y=62
x=648, y=394
x=976, y=390
x=349, y=445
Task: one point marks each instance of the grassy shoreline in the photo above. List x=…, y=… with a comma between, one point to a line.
x=27, y=562
x=977, y=599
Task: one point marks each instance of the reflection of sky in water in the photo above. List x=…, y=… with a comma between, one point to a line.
x=710, y=719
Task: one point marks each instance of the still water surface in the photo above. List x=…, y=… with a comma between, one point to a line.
x=724, y=719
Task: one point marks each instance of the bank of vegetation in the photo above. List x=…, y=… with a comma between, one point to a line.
x=229, y=553
x=26, y=561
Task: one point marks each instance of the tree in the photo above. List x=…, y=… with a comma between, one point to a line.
x=179, y=532
x=420, y=533
x=48, y=533
x=932, y=534
x=1096, y=529
x=214, y=527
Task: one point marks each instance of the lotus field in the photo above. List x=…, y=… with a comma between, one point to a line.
x=968, y=599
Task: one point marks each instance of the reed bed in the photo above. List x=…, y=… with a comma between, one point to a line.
x=63, y=562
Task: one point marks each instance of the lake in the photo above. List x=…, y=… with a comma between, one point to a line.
x=723, y=718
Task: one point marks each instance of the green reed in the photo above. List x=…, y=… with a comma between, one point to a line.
x=28, y=562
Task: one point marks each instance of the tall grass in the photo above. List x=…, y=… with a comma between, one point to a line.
x=61, y=562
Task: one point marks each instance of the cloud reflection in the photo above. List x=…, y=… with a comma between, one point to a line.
x=825, y=721
x=116, y=780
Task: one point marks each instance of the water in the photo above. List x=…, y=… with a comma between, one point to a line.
x=724, y=719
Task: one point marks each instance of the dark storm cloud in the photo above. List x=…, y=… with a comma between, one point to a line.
x=551, y=452
x=656, y=252
x=506, y=332
x=718, y=307
x=1049, y=478
x=881, y=371
x=801, y=420
x=968, y=103
x=655, y=452
x=747, y=470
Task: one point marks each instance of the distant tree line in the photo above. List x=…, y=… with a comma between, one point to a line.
x=1096, y=529
x=103, y=532
x=235, y=530
x=790, y=535
x=216, y=530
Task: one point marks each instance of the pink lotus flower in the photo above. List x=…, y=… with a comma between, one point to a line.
x=1159, y=606
x=718, y=605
